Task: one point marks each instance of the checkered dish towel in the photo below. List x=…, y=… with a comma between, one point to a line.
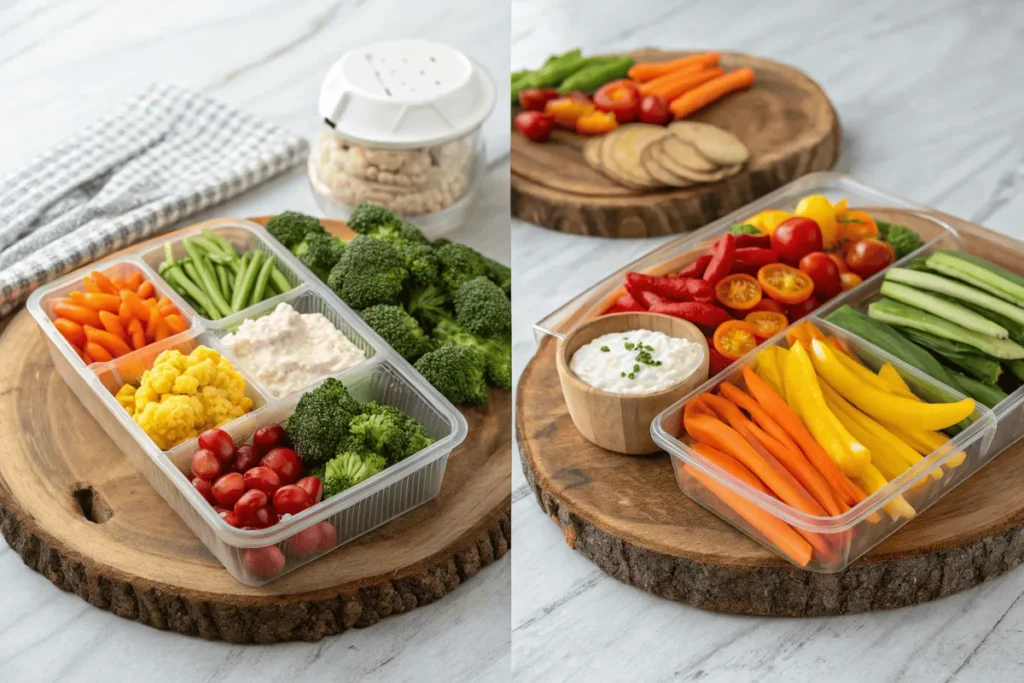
x=167, y=154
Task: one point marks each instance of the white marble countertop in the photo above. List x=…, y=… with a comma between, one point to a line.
x=66, y=63
x=932, y=109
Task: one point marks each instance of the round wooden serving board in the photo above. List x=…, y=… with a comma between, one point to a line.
x=785, y=119
x=75, y=509
x=628, y=515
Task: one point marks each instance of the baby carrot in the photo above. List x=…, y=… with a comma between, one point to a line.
x=135, y=305
x=789, y=421
x=124, y=314
x=134, y=281
x=145, y=290
x=774, y=529
x=108, y=341
x=138, y=335
x=153, y=324
x=103, y=282
x=90, y=285
x=70, y=330
x=176, y=323
x=112, y=324
x=86, y=358
x=102, y=302
x=97, y=352
x=166, y=306
x=712, y=91
x=119, y=283
x=671, y=86
x=80, y=314
x=647, y=71
x=77, y=298
x=163, y=331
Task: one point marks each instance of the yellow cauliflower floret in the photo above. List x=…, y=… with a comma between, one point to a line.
x=181, y=396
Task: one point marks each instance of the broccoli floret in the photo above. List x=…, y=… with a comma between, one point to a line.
x=420, y=261
x=320, y=421
x=398, y=329
x=389, y=432
x=370, y=218
x=348, y=469
x=495, y=354
x=430, y=305
x=370, y=272
x=459, y=265
x=500, y=275
x=482, y=308
x=319, y=252
x=903, y=239
x=457, y=372
x=291, y=227
x=400, y=231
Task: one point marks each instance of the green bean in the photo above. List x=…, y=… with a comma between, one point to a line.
x=261, y=282
x=280, y=281
x=208, y=246
x=176, y=277
x=224, y=281
x=224, y=245
x=241, y=294
x=237, y=284
x=207, y=278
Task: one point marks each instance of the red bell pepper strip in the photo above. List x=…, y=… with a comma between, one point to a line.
x=722, y=254
x=697, y=268
x=624, y=304
x=763, y=241
x=705, y=315
x=750, y=259
x=718, y=362
x=671, y=287
x=649, y=299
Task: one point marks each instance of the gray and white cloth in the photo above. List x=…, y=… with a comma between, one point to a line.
x=165, y=155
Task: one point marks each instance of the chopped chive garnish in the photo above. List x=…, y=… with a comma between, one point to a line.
x=605, y=349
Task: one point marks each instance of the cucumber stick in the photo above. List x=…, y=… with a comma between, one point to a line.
x=901, y=315
x=955, y=313
x=957, y=290
x=978, y=273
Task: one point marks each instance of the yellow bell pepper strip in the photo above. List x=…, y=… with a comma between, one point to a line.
x=895, y=454
x=881, y=405
x=894, y=380
x=871, y=480
x=768, y=370
x=862, y=373
x=768, y=220
x=927, y=443
x=819, y=209
x=803, y=393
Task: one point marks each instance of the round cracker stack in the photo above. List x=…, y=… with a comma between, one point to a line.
x=643, y=156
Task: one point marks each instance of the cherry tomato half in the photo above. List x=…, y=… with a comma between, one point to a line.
x=535, y=125
x=766, y=323
x=850, y=280
x=740, y=292
x=786, y=285
x=867, y=257
x=795, y=238
x=735, y=338
x=839, y=261
x=620, y=98
x=824, y=272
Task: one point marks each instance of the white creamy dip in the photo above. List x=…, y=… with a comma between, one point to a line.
x=288, y=350
x=636, y=362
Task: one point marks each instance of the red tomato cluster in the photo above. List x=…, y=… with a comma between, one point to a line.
x=613, y=104
x=252, y=485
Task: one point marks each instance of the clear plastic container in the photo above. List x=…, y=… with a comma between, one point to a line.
x=677, y=254
x=256, y=557
x=402, y=129
x=837, y=541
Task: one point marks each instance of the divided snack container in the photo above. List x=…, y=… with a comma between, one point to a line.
x=863, y=527
x=401, y=128
x=383, y=377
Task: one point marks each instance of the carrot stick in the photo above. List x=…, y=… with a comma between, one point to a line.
x=793, y=461
x=789, y=421
x=774, y=529
x=647, y=71
x=110, y=342
x=709, y=92
x=671, y=86
x=719, y=435
x=759, y=414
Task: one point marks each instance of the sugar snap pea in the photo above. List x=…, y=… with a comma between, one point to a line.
x=593, y=76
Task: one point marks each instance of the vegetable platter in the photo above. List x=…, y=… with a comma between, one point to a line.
x=629, y=516
x=642, y=178
x=76, y=510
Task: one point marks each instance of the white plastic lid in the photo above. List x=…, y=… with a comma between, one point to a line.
x=405, y=93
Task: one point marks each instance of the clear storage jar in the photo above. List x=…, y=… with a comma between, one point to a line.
x=402, y=130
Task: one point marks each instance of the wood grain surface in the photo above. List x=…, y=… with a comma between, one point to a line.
x=785, y=119
x=75, y=509
x=629, y=516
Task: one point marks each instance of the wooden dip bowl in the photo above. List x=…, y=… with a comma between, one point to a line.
x=622, y=422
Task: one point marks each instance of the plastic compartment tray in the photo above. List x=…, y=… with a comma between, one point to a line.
x=677, y=254
x=384, y=377
x=865, y=525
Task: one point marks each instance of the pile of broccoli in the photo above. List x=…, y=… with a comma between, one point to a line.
x=346, y=442
x=442, y=306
